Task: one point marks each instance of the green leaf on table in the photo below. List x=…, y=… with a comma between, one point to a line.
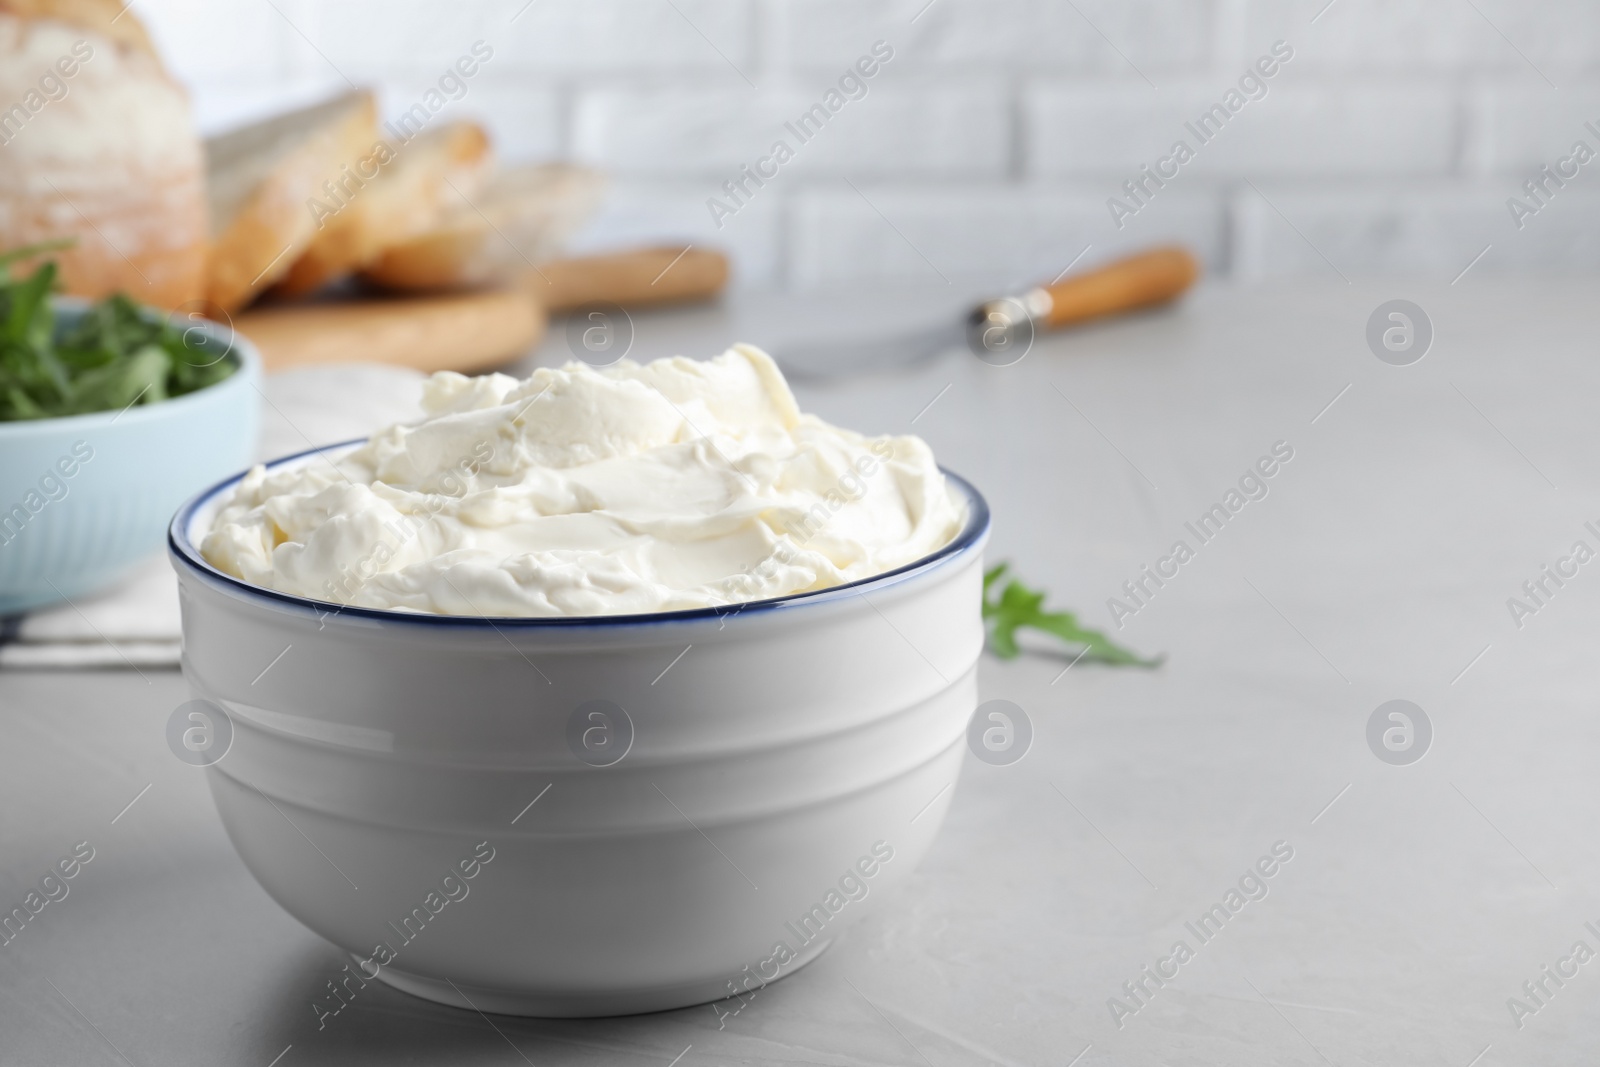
x=1018, y=607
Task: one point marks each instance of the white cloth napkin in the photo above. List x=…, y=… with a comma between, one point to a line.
x=136, y=624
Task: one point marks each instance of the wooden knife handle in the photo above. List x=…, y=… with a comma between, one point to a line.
x=1144, y=280
x=637, y=278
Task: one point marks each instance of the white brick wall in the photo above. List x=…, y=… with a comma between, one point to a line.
x=1028, y=234
x=998, y=37
x=1297, y=129
x=990, y=143
x=934, y=130
x=1430, y=231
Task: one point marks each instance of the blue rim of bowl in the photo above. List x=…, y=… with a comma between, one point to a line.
x=243, y=354
x=182, y=550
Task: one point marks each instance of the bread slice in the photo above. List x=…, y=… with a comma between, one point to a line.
x=364, y=217
x=264, y=181
x=97, y=145
x=522, y=216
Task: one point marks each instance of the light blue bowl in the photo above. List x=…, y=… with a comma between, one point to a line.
x=86, y=497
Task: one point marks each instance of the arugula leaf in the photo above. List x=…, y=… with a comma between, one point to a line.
x=1018, y=607
x=116, y=354
x=27, y=299
x=142, y=376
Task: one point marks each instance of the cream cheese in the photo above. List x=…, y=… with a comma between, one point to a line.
x=636, y=488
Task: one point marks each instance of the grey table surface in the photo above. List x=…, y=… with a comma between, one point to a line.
x=1419, y=898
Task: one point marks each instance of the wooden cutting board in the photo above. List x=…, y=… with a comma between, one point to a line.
x=475, y=331
x=466, y=332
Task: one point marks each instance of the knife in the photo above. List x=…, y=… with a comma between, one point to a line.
x=1001, y=331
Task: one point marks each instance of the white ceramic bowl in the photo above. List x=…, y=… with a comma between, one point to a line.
x=789, y=763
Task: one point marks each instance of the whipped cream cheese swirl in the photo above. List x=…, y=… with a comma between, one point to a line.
x=636, y=488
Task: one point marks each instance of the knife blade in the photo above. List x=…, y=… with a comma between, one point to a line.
x=1002, y=330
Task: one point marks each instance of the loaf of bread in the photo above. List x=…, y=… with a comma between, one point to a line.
x=521, y=217
x=98, y=146
x=399, y=194
x=265, y=182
